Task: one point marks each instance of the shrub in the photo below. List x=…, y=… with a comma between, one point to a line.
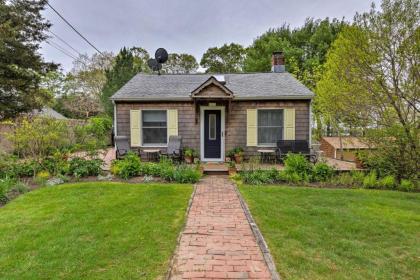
x=322, y=172
x=290, y=177
x=298, y=164
x=42, y=177
x=128, y=167
x=370, y=181
x=260, y=177
x=406, y=186
x=358, y=177
x=186, y=174
x=388, y=182
x=56, y=164
x=9, y=185
x=93, y=135
x=343, y=179
x=11, y=166
x=80, y=167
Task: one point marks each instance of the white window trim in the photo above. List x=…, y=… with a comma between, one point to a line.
x=274, y=145
x=151, y=145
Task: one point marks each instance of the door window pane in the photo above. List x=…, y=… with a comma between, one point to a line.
x=154, y=127
x=270, y=126
x=212, y=126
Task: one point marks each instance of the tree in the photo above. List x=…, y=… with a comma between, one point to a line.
x=305, y=49
x=22, y=29
x=123, y=70
x=180, y=64
x=371, y=82
x=226, y=59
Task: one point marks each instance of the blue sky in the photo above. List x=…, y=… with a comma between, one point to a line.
x=189, y=26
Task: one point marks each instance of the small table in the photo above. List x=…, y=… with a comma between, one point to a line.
x=152, y=154
x=267, y=155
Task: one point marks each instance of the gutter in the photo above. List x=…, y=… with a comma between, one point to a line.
x=255, y=98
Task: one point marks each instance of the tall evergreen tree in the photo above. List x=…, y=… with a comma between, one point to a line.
x=22, y=29
x=123, y=70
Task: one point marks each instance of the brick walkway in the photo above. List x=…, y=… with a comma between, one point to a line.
x=218, y=242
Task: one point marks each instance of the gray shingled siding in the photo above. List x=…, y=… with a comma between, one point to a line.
x=235, y=126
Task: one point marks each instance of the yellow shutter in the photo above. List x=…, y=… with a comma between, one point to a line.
x=135, y=128
x=172, y=122
x=289, y=124
x=251, y=127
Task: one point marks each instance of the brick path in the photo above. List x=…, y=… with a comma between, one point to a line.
x=217, y=242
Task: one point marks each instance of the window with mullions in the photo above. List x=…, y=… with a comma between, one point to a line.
x=270, y=126
x=154, y=125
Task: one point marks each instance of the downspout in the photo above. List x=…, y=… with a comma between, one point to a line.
x=115, y=121
x=310, y=124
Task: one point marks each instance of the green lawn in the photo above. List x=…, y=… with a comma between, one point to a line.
x=92, y=231
x=339, y=234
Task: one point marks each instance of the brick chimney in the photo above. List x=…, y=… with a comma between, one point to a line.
x=277, y=62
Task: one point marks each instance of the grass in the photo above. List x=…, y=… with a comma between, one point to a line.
x=92, y=231
x=339, y=234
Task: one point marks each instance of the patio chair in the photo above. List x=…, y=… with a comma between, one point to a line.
x=122, y=146
x=296, y=147
x=174, y=150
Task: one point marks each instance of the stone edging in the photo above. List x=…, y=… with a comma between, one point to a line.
x=171, y=262
x=259, y=237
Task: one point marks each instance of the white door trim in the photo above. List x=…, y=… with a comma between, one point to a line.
x=222, y=140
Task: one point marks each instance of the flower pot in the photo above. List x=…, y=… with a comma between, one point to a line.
x=238, y=158
x=188, y=159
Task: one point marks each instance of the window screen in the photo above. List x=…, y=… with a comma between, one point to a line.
x=270, y=126
x=154, y=127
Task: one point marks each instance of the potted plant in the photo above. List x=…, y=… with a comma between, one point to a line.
x=230, y=155
x=196, y=156
x=232, y=168
x=188, y=155
x=238, y=154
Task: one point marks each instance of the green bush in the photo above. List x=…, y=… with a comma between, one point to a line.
x=388, y=182
x=94, y=134
x=260, y=177
x=127, y=167
x=11, y=166
x=370, y=181
x=358, y=177
x=57, y=164
x=80, y=167
x=9, y=185
x=298, y=164
x=290, y=177
x=322, y=172
x=406, y=186
x=186, y=174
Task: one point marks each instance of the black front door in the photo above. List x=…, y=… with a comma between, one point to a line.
x=212, y=134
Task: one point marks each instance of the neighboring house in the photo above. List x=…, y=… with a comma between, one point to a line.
x=214, y=113
x=48, y=112
x=331, y=147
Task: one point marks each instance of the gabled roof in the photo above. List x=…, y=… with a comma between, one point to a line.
x=348, y=142
x=212, y=81
x=48, y=113
x=245, y=86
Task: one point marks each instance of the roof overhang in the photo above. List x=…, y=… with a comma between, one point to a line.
x=187, y=98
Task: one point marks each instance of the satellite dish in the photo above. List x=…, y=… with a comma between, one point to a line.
x=154, y=65
x=161, y=55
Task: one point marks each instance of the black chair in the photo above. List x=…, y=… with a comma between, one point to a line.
x=296, y=147
x=174, y=150
x=122, y=146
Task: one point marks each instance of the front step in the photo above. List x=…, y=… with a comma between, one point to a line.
x=215, y=169
x=216, y=172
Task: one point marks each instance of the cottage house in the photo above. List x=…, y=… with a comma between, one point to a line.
x=214, y=113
